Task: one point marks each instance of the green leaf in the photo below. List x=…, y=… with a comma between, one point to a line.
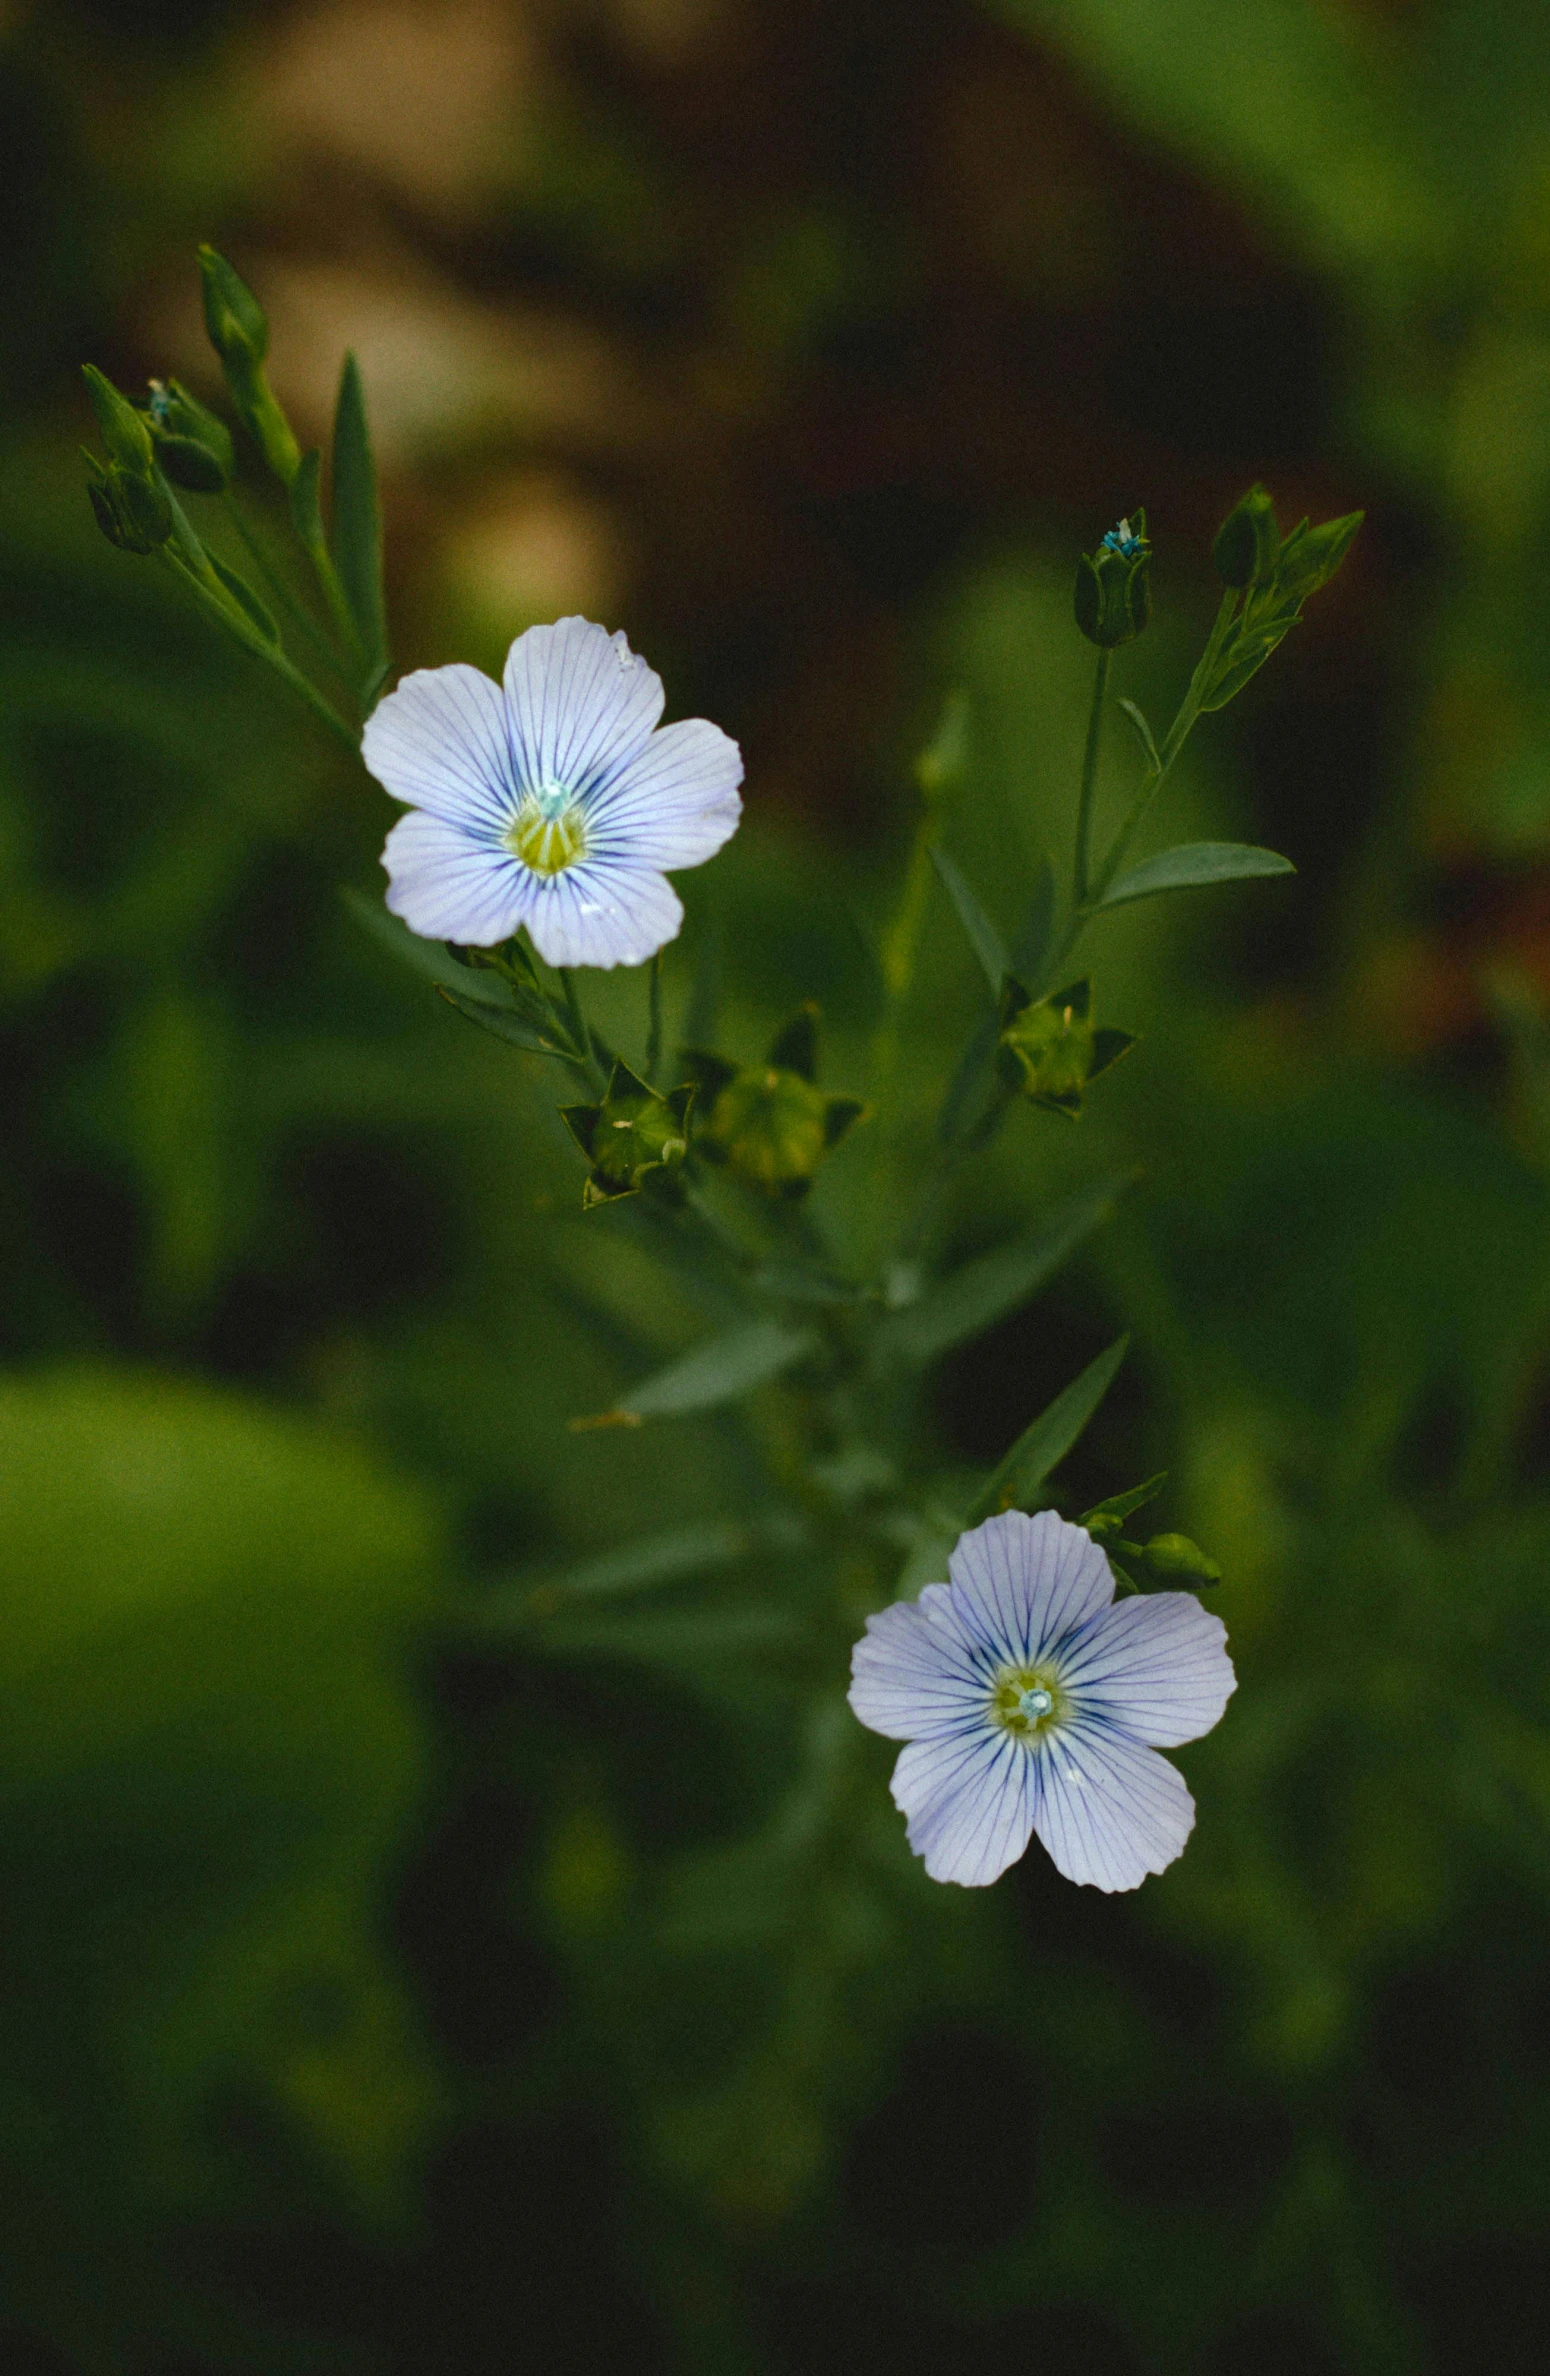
x=1193, y=866
x=1044, y=1444
x=428, y=958
x=984, y=939
x=1143, y=735
x=664, y=1558
x=993, y=1285
x=211, y=1765
x=245, y=598
x=1120, y=1505
x=1036, y=933
x=717, y=1373
x=357, y=524
x=513, y=1028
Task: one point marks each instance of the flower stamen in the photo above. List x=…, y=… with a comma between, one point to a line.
x=548, y=832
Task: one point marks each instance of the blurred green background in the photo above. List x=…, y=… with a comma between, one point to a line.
x=394, y=1982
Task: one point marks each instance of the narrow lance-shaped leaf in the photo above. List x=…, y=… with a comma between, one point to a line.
x=533, y=1036
x=428, y=958
x=242, y=594
x=702, y=1380
x=1036, y=933
x=1193, y=866
x=664, y=1558
x=985, y=940
x=1042, y=1446
x=357, y=524
x=987, y=1289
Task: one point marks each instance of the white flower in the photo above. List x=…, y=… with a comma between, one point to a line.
x=1032, y=1701
x=556, y=802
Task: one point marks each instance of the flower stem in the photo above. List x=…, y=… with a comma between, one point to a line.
x=299, y=616
x=221, y=608
x=1084, y=808
x=579, y=1031
x=654, y=1025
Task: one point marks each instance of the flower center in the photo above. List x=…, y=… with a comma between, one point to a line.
x=1025, y=1702
x=548, y=832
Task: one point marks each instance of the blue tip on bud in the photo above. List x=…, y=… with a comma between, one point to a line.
x=1124, y=541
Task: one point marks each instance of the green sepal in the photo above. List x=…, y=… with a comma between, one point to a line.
x=841, y=1114
x=636, y=1132
x=1049, y=1050
x=773, y=1126
x=123, y=429
x=243, y=595
x=133, y=513
x=1112, y=598
x=237, y=325
x=795, y=1046
x=193, y=444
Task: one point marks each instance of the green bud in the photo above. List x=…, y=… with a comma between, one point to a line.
x=1174, y=1559
x=193, y=444
x=1247, y=542
x=239, y=333
x=1113, y=594
x=237, y=325
x=632, y=1134
x=1050, y=1049
x=133, y=513
x=1310, y=556
x=124, y=431
x=770, y=1123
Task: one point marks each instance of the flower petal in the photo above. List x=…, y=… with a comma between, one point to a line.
x=579, y=704
x=1025, y=1582
x=916, y=1673
x=602, y=912
x=1156, y=1665
x=1108, y=1810
x=970, y=1801
x=675, y=802
x=449, y=886
x=439, y=741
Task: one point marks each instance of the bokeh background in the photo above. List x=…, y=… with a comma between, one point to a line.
x=390, y=1981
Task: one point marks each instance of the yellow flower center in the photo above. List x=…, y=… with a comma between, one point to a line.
x=548, y=832
x=1026, y=1701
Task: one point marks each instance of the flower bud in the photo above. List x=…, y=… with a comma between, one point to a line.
x=193, y=444
x=237, y=325
x=1050, y=1048
x=1247, y=542
x=633, y=1133
x=770, y=1123
x=133, y=513
x=1113, y=594
x=1310, y=556
x=1174, y=1559
x=239, y=333
x=124, y=432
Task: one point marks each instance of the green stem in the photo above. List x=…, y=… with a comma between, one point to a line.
x=579, y=1031
x=654, y=1025
x=214, y=599
x=1084, y=806
x=336, y=598
x=300, y=617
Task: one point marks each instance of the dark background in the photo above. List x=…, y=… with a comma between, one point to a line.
x=385, y=1990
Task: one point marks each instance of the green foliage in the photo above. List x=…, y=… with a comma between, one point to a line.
x=209, y=1758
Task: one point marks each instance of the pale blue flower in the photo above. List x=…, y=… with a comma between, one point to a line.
x=1032, y=1701
x=556, y=802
